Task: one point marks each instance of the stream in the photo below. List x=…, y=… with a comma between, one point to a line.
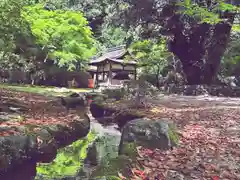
x=96, y=156
x=85, y=158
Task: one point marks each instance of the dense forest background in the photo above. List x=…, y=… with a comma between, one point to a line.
x=49, y=42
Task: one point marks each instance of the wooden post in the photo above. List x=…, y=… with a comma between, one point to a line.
x=135, y=72
x=97, y=75
x=110, y=71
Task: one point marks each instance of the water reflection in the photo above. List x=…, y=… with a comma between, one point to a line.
x=82, y=159
x=93, y=157
x=67, y=162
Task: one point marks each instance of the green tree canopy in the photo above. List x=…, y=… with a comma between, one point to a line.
x=152, y=55
x=64, y=34
x=12, y=25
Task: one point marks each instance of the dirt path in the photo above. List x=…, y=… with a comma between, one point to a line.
x=178, y=101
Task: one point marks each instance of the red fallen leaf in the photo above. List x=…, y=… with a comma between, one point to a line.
x=90, y=101
x=4, y=134
x=215, y=178
x=138, y=172
x=148, y=151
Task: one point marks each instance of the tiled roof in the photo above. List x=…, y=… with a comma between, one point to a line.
x=112, y=54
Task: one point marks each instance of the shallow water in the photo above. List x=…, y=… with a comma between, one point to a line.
x=75, y=162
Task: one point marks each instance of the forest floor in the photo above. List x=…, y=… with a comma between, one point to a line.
x=209, y=129
x=23, y=108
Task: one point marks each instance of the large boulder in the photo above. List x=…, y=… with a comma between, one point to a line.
x=97, y=107
x=26, y=171
x=102, y=154
x=16, y=149
x=148, y=133
x=105, y=145
x=139, y=87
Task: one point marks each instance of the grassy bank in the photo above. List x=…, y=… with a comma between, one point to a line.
x=45, y=90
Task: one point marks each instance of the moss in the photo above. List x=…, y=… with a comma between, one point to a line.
x=68, y=160
x=47, y=91
x=114, y=93
x=29, y=129
x=112, y=167
x=113, y=178
x=172, y=133
x=130, y=149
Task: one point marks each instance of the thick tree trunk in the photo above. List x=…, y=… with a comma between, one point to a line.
x=200, y=51
x=216, y=48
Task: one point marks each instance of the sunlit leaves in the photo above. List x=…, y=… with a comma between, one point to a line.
x=230, y=62
x=153, y=55
x=236, y=28
x=66, y=33
x=68, y=161
x=209, y=15
x=227, y=7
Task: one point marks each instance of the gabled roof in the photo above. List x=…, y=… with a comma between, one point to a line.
x=114, y=54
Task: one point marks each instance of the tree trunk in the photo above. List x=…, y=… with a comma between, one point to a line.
x=201, y=50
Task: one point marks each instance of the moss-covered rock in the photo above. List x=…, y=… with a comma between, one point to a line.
x=100, y=108
x=148, y=133
x=16, y=149
x=39, y=143
x=124, y=117
x=97, y=109
x=104, y=147
x=116, y=94
x=47, y=146
x=111, y=169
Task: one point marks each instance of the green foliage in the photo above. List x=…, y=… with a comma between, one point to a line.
x=112, y=36
x=232, y=53
x=113, y=178
x=230, y=62
x=172, y=133
x=65, y=34
x=11, y=23
x=236, y=28
x=68, y=161
x=204, y=14
x=153, y=55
